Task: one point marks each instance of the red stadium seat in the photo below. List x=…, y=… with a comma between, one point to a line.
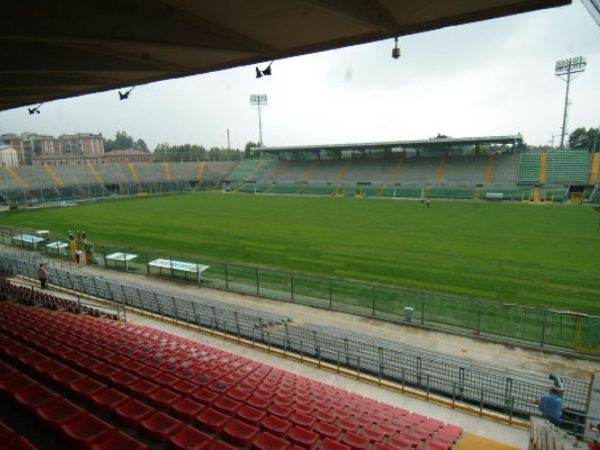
x=205, y=396
x=87, y=387
x=354, y=441
x=330, y=444
x=239, y=433
x=327, y=430
x=251, y=415
x=280, y=411
x=123, y=380
x=49, y=367
x=119, y=441
x=6, y=370
x=143, y=388
x=13, y=384
x=303, y=437
x=303, y=420
x=400, y=444
x=258, y=402
x=267, y=441
x=212, y=420
x=59, y=413
x=275, y=425
x=105, y=372
x=133, y=412
x=36, y=396
x=160, y=426
x=87, y=430
x=67, y=377
x=227, y=405
x=18, y=443
x=109, y=399
x=186, y=408
x=6, y=433
x=188, y=438
x=219, y=445
x=185, y=387
x=164, y=398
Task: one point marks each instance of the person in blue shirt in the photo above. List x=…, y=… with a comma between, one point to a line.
x=551, y=406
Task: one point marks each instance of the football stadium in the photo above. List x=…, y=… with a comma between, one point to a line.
x=423, y=294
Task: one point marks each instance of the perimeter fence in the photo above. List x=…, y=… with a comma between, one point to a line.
x=461, y=381
x=505, y=322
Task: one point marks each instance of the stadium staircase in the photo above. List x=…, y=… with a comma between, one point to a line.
x=168, y=176
x=543, y=167
x=101, y=384
x=200, y=173
x=55, y=177
x=95, y=174
x=342, y=173
x=255, y=176
x=440, y=169
x=133, y=173
x=595, y=168
x=240, y=172
x=20, y=181
x=279, y=171
x=489, y=170
x=308, y=174
x=395, y=175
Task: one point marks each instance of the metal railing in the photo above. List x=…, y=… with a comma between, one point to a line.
x=504, y=322
x=484, y=387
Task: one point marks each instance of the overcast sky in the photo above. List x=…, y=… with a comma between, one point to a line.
x=490, y=78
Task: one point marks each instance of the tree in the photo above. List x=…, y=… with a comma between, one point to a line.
x=582, y=139
x=123, y=141
x=248, y=148
x=141, y=145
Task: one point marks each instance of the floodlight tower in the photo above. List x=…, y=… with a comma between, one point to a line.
x=260, y=101
x=566, y=70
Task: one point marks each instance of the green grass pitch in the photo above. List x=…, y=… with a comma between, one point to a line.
x=547, y=256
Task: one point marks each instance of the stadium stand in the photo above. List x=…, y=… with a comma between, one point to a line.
x=568, y=167
x=498, y=389
x=468, y=170
x=505, y=170
x=54, y=362
x=497, y=176
x=529, y=168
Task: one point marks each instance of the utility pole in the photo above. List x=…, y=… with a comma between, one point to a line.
x=566, y=70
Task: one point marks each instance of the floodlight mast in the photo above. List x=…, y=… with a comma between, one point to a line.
x=260, y=101
x=566, y=70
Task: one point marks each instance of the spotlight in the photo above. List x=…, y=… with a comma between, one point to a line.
x=35, y=110
x=396, y=49
x=267, y=72
x=125, y=95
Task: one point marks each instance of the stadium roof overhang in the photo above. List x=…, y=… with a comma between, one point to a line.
x=57, y=49
x=429, y=144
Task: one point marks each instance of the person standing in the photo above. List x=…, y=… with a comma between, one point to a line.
x=551, y=406
x=42, y=273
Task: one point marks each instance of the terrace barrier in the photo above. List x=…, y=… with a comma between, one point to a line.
x=458, y=382
x=513, y=323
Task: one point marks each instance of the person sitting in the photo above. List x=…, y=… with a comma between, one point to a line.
x=551, y=406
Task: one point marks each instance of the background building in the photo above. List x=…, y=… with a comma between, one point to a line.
x=8, y=156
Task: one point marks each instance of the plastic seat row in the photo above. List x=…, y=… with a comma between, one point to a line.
x=10, y=440
x=256, y=402
x=30, y=296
